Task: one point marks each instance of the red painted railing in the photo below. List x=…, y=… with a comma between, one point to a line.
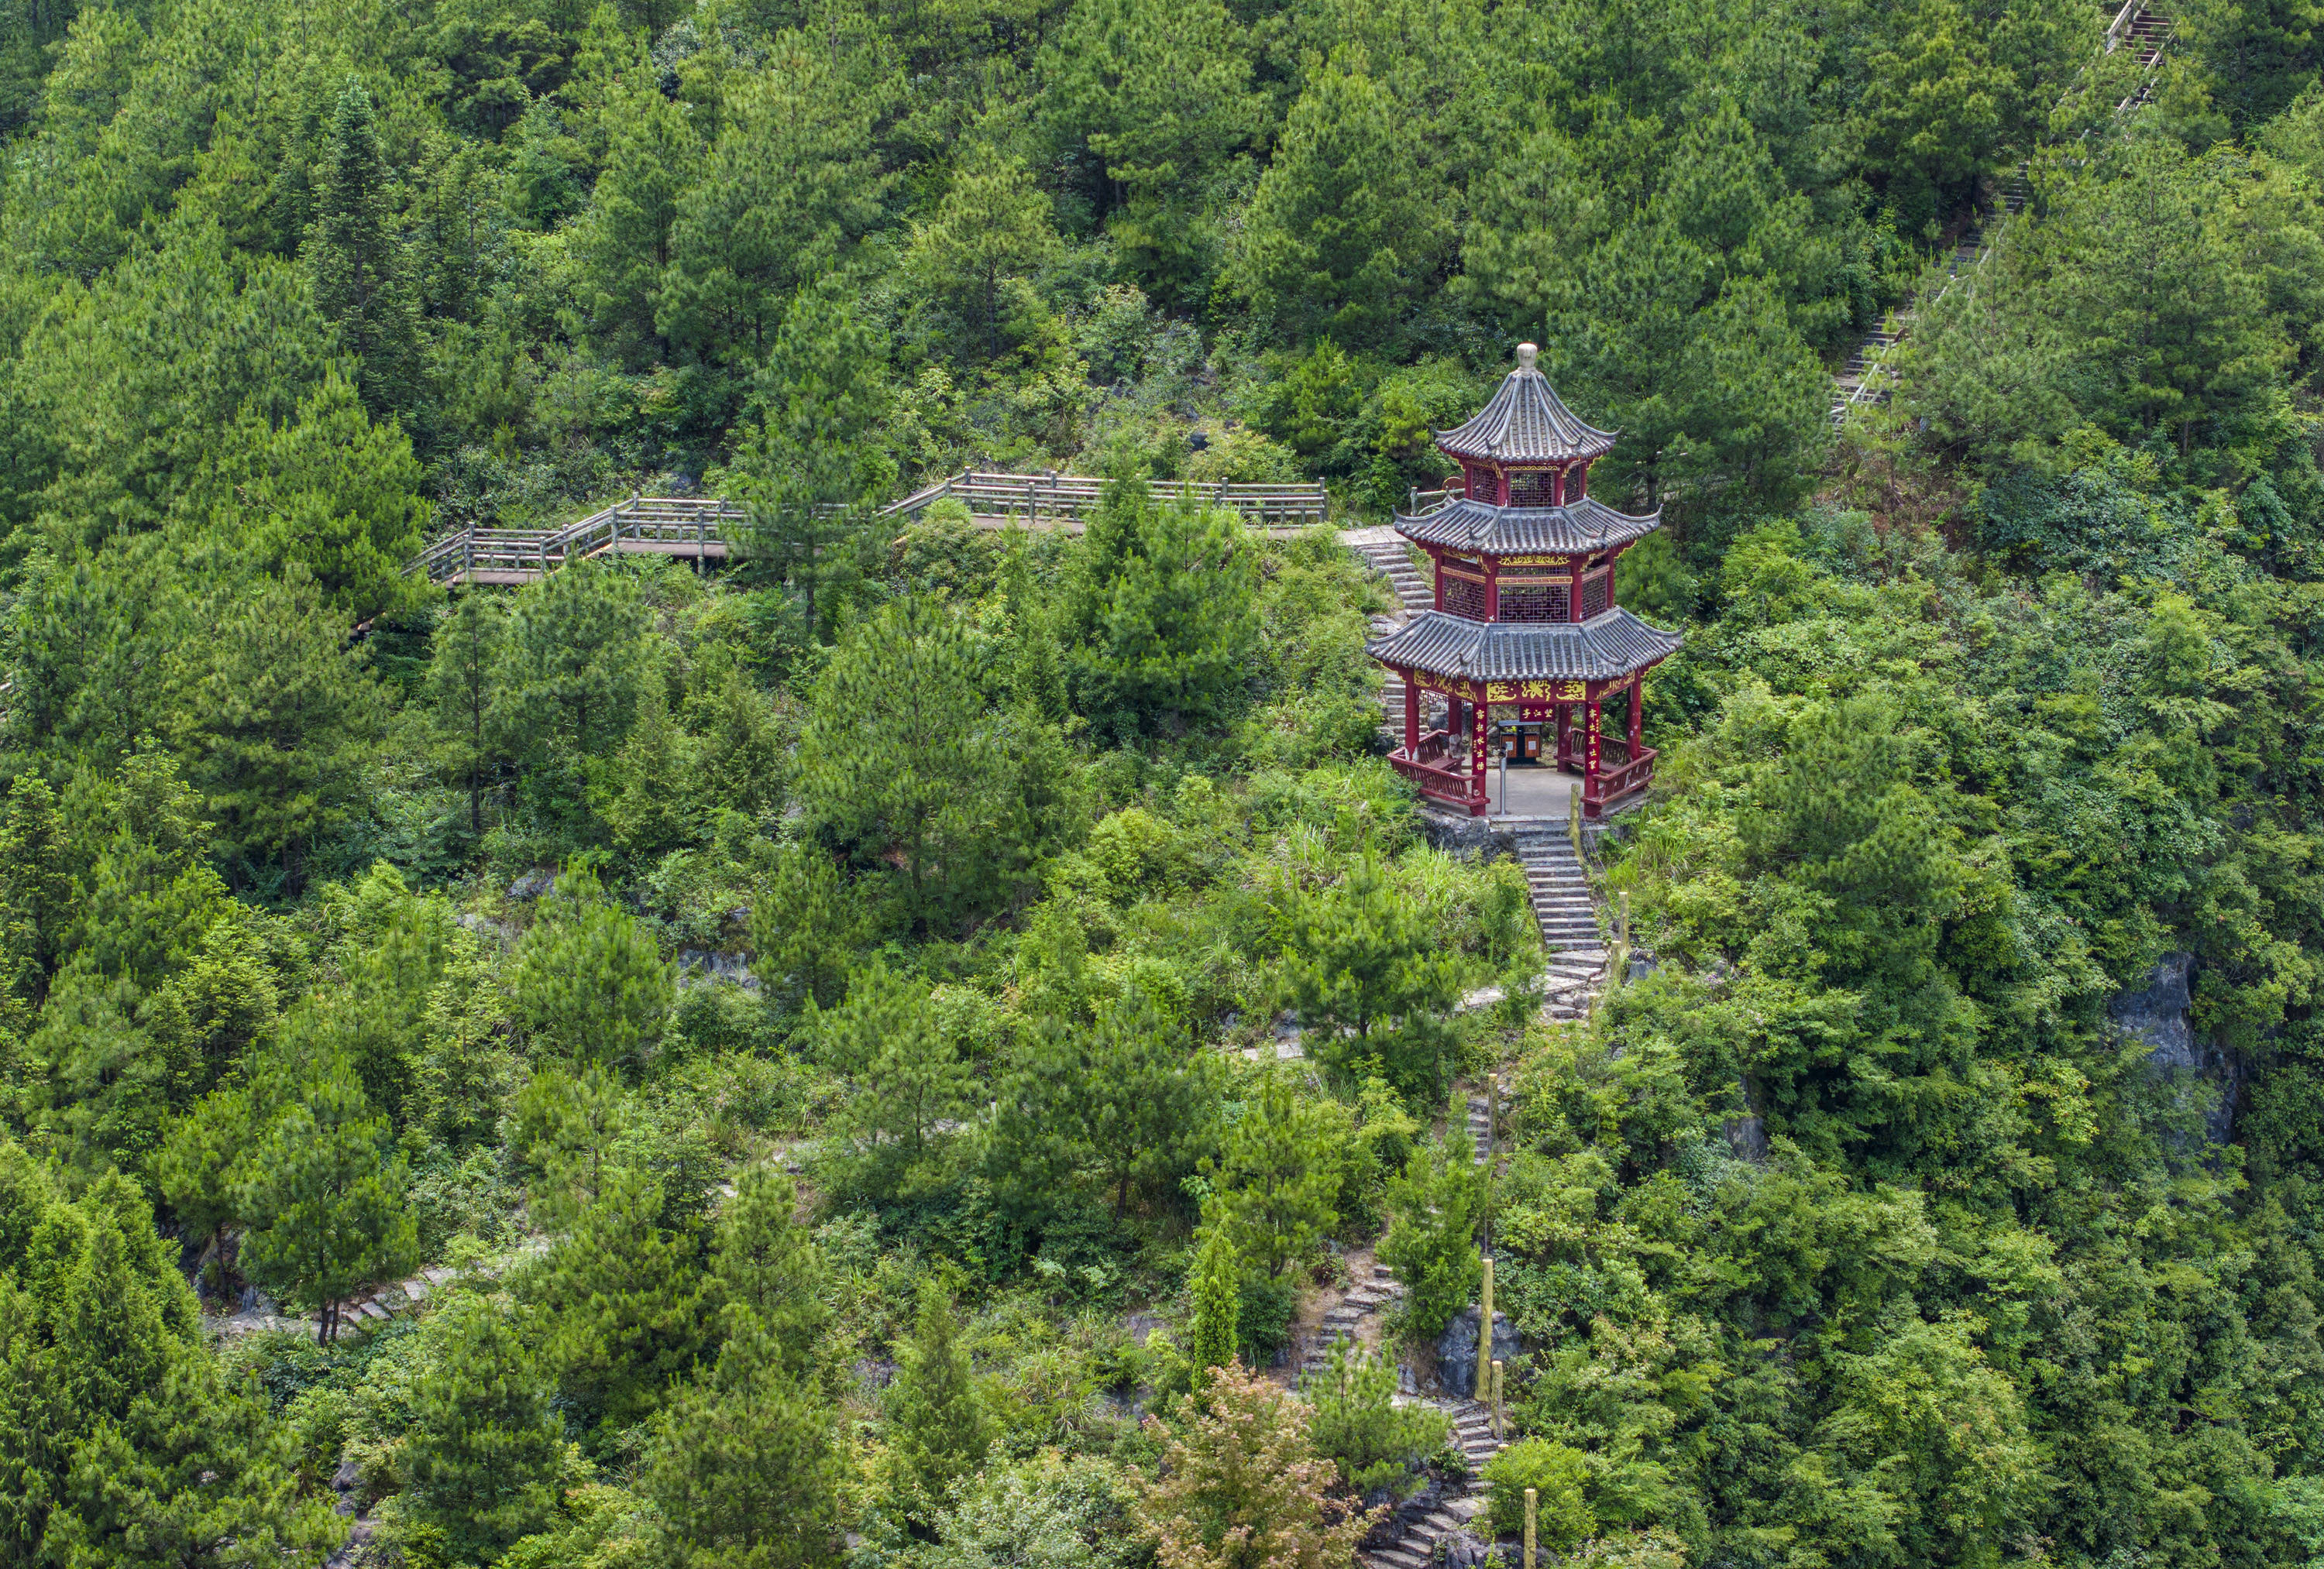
x=1615, y=780
x=1438, y=769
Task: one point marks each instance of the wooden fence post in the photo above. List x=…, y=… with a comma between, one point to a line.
x=1533, y=1507
x=1485, y=1335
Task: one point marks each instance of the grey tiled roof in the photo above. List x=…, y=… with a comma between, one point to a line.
x=1612, y=644
x=1583, y=526
x=1526, y=423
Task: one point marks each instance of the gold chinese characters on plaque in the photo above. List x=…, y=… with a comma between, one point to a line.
x=1536, y=561
x=1537, y=691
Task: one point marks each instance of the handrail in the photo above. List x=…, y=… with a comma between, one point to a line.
x=1875, y=368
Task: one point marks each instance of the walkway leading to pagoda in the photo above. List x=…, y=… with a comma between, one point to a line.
x=1536, y=802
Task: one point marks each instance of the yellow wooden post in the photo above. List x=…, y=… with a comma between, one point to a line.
x=1485, y=1333
x=1532, y=1511
x=1499, y=1427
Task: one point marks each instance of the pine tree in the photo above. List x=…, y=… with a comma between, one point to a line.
x=1279, y=1178
x=908, y=1074
x=574, y=648
x=276, y=720
x=1370, y=978
x=652, y=149
x=937, y=1430
x=623, y=1295
x=993, y=225
x=325, y=1198
x=813, y=462
x=1160, y=621
x=903, y=674
x=464, y=692
x=742, y=1470
x=1342, y=230
x=767, y=1273
x=648, y=815
x=589, y=980
x=1217, y=1292
x=806, y=925
x=352, y=252
x=1438, y=1202
x=485, y=1450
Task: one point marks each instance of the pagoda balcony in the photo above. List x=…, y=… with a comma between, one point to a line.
x=1438, y=768
x=1620, y=775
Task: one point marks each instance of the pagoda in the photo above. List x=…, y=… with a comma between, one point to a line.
x=1524, y=640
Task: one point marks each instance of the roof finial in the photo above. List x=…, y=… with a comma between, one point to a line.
x=1526, y=353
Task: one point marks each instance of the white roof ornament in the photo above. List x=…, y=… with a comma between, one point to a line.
x=1526, y=354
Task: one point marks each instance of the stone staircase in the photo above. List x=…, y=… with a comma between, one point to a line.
x=1390, y=559
x=1452, y=1512
x=1339, y=1324
x=1393, y=561
x=1568, y=917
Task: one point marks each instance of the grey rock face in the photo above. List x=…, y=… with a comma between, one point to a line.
x=697, y=964
x=1456, y=1351
x=534, y=885
x=1469, y=838
x=2156, y=1015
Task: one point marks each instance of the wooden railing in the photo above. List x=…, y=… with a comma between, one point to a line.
x=1035, y=500
x=1614, y=780
x=695, y=527
x=680, y=526
x=1439, y=766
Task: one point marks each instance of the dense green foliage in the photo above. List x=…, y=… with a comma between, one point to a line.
x=349, y=925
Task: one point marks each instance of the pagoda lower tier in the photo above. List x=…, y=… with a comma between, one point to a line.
x=1535, y=673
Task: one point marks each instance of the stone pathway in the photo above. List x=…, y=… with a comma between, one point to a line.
x=1344, y=1320
x=1568, y=914
x=1451, y=1512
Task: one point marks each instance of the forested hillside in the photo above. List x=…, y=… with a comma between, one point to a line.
x=889, y=1047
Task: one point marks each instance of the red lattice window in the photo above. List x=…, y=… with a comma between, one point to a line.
x=1463, y=598
x=1533, y=488
x=1534, y=601
x=1593, y=595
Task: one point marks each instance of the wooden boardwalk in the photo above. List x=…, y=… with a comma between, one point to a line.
x=679, y=525
x=694, y=528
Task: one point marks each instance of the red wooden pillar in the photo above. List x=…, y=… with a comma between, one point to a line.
x=1492, y=588
x=1411, y=717
x=1437, y=562
x=1480, y=720
x=1637, y=688
x=1590, y=795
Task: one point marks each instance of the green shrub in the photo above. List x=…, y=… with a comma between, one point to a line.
x=1556, y=1473
x=1359, y=1426
x=1431, y=1245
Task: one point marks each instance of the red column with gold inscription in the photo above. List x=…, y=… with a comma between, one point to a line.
x=1478, y=721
